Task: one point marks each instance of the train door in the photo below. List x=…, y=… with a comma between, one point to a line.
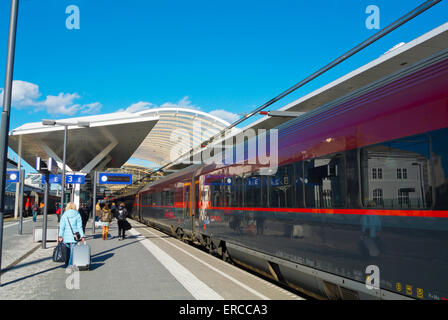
x=196, y=198
x=139, y=207
x=186, y=201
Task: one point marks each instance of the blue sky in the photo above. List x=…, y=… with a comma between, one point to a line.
x=213, y=55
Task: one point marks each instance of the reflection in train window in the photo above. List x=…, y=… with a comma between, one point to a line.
x=255, y=191
x=406, y=174
x=324, y=180
x=222, y=190
x=299, y=184
x=236, y=192
x=439, y=165
x=281, y=188
x=378, y=196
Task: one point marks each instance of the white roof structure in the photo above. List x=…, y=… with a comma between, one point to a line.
x=111, y=139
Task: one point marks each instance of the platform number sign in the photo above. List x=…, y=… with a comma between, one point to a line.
x=52, y=178
x=115, y=178
x=74, y=179
x=69, y=178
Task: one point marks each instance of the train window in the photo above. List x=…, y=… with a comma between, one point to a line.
x=216, y=195
x=281, y=187
x=405, y=171
x=167, y=198
x=157, y=199
x=255, y=191
x=439, y=161
x=325, y=183
x=225, y=190
x=299, y=185
x=233, y=191
x=226, y=195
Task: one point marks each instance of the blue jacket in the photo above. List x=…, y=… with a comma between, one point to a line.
x=64, y=229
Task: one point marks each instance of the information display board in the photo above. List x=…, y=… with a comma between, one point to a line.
x=115, y=178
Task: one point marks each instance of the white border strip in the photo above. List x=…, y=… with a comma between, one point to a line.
x=198, y=289
x=258, y=294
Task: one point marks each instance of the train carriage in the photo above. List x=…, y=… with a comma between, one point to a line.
x=361, y=185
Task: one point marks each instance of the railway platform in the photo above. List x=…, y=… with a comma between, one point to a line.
x=148, y=264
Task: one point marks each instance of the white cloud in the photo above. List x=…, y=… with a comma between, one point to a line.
x=61, y=104
x=26, y=94
x=225, y=115
x=23, y=94
x=143, y=105
x=139, y=106
x=182, y=103
x=91, y=108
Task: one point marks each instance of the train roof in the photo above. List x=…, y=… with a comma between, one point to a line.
x=400, y=57
x=395, y=60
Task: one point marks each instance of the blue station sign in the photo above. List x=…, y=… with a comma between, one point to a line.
x=114, y=178
x=75, y=179
x=12, y=176
x=69, y=178
x=52, y=178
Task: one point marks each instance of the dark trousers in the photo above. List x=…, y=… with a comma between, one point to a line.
x=69, y=256
x=121, y=231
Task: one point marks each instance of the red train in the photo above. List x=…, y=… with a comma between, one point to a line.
x=361, y=185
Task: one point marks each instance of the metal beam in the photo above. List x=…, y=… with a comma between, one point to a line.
x=99, y=157
x=291, y=114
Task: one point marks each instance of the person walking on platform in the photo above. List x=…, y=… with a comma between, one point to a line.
x=106, y=218
x=84, y=212
x=122, y=213
x=113, y=209
x=70, y=226
x=97, y=211
x=27, y=207
x=41, y=208
x=59, y=212
x=35, y=209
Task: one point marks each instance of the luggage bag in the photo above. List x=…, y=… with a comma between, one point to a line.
x=81, y=256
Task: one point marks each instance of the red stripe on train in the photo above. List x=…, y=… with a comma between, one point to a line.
x=398, y=213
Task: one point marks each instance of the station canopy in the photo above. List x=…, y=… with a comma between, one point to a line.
x=112, y=139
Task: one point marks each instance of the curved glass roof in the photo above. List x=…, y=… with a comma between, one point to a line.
x=177, y=131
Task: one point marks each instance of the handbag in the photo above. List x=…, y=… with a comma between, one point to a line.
x=76, y=235
x=60, y=253
x=126, y=225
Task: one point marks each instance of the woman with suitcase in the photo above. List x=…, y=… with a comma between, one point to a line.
x=70, y=230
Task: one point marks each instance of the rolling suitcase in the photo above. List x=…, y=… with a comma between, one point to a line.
x=81, y=256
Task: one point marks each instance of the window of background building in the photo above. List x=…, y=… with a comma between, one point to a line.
x=407, y=159
x=378, y=197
